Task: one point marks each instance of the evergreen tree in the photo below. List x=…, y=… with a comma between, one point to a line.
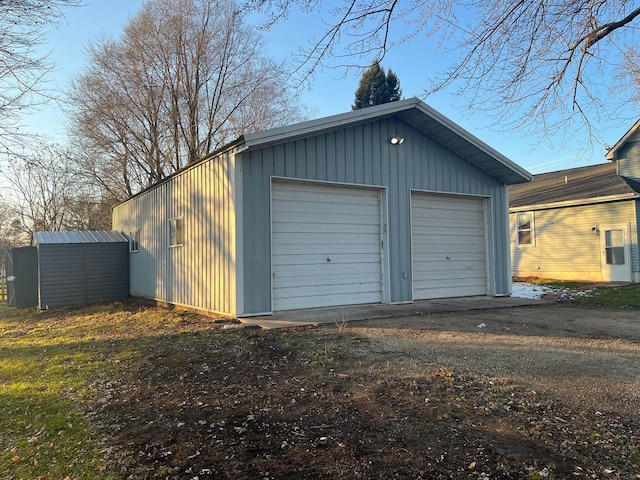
x=377, y=87
x=393, y=87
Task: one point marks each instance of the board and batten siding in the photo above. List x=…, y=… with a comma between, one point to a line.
x=202, y=272
x=362, y=155
x=565, y=247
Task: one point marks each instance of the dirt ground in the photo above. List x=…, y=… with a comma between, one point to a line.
x=548, y=391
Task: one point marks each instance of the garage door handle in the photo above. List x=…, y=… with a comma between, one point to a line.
x=448, y=258
x=328, y=259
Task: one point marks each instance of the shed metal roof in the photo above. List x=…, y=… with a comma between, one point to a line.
x=574, y=185
x=80, y=236
x=417, y=114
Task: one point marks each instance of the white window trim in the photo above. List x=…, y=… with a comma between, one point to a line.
x=174, y=245
x=132, y=241
x=532, y=229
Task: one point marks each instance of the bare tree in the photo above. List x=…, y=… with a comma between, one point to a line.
x=22, y=29
x=185, y=78
x=49, y=193
x=539, y=63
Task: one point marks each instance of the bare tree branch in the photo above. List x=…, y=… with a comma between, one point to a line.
x=533, y=64
x=176, y=86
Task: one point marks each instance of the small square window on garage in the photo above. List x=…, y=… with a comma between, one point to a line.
x=525, y=228
x=175, y=232
x=134, y=241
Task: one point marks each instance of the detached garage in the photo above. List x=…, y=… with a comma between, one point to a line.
x=388, y=204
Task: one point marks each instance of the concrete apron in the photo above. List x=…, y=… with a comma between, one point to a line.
x=338, y=315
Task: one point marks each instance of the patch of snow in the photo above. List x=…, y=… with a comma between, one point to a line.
x=572, y=295
x=529, y=290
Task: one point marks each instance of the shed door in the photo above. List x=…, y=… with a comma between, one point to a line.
x=326, y=245
x=448, y=246
x=22, y=277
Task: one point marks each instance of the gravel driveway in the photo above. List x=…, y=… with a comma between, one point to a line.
x=583, y=355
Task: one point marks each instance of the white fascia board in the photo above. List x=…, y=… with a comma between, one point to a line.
x=575, y=203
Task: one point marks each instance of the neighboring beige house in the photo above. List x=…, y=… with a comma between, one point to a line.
x=580, y=223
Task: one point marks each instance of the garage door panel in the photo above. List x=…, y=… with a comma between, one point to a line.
x=446, y=292
x=448, y=246
x=326, y=223
x=455, y=242
x=319, y=259
x=472, y=266
x=326, y=228
x=458, y=235
x=432, y=256
x=327, y=290
x=340, y=209
x=429, y=218
x=327, y=238
x=313, y=223
x=294, y=281
x=298, y=249
x=327, y=300
x=307, y=195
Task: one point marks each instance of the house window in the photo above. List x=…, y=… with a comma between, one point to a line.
x=614, y=247
x=134, y=241
x=175, y=232
x=525, y=228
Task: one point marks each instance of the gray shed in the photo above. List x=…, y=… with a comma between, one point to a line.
x=76, y=268
x=388, y=204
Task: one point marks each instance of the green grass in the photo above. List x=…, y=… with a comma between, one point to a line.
x=48, y=364
x=624, y=297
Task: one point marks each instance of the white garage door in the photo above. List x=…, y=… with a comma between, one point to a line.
x=325, y=245
x=448, y=246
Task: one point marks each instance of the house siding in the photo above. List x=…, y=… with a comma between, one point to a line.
x=362, y=155
x=629, y=160
x=202, y=272
x=571, y=227
x=635, y=247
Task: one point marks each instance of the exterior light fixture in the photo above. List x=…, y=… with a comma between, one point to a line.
x=396, y=140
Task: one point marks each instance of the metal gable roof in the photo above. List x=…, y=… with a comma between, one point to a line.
x=81, y=236
x=417, y=114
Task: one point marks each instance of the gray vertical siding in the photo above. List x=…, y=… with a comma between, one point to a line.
x=75, y=274
x=202, y=272
x=570, y=228
x=629, y=160
x=362, y=155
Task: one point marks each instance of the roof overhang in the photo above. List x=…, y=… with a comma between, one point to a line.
x=417, y=114
x=612, y=154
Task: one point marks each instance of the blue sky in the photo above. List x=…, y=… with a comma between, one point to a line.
x=330, y=91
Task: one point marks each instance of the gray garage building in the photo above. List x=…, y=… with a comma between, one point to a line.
x=388, y=204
